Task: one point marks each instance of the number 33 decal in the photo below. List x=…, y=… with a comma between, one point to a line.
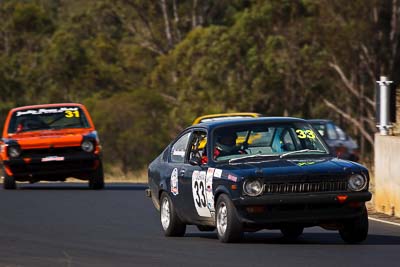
x=200, y=194
x=305, y=134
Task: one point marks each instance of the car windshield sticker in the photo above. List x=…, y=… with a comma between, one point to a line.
x=209, y=189
x=303, y=134
x=199, y=193
x=72, y=114
x=174, y=182
x=218, y=173
x=47, y=111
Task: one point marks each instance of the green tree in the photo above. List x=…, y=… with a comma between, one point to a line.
x=132, y=126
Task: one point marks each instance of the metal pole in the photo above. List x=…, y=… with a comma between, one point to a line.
x=384, y=123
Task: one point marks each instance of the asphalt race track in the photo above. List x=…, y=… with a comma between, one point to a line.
x=64, y=224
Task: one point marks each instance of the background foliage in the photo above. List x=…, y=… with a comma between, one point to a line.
x=146, y=69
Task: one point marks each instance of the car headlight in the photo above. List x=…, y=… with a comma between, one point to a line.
x=14, y=151
x=253, y=187
x=87, y=146
x=357, y=182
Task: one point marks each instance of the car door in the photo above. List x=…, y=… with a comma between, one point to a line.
x=176, y=168
x=197, y=180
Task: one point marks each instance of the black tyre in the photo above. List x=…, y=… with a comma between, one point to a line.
x=356, y=230
x=170, y=221
x=8, y=181
x=229, y=228
x=292, y=232
x=205, y=228
x=96, y=181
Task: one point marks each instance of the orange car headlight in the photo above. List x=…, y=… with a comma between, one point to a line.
x=14, y=151
x=87, y=146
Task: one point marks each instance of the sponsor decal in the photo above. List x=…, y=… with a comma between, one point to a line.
x=180, y=153
x=218, y=173
x=52, y=158
x=306, y=163
x=232, y=178
x=174, y=182
x=209, y=189
x=46, y=111
x=199, y=192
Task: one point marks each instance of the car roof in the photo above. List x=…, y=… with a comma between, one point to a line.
x=222, y=115
x=47, y=106
x=242, y=121
x=319, y=121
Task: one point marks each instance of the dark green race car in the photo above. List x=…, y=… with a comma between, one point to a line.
x=285, y=179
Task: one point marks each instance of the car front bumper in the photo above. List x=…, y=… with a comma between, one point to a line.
x=308, y=209
x=49, y=167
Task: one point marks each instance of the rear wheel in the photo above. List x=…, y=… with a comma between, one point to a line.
x=356, y=230
x=229, y=228
x=8, y=181
x=292, y=232
x=96, y=181
x=170, y=221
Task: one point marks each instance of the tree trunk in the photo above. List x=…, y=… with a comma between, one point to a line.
x=194, y=14
x=176, y=22
x=167, y=25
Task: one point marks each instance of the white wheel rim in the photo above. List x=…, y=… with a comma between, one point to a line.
x=222, y=219
x=165, y=214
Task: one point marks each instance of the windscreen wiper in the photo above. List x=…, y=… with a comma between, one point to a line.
x=300, y=151
x=252, y=156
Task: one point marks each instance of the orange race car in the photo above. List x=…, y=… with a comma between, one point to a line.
x=50, y=142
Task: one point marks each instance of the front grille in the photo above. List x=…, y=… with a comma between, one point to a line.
x=305, y=187
x=50, y=151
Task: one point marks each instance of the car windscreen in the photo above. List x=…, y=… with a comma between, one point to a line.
x=320, y=127
x=266, y=140
x=36, y=119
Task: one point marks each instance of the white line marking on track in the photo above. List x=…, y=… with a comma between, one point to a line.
x=383, y=221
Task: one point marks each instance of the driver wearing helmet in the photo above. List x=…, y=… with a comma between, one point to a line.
x=226, y=145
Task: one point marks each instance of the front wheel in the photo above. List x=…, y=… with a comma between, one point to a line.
x=8, y=181
x=229, y=228
x=96, y=181
x=170, y=221
x=356, y=230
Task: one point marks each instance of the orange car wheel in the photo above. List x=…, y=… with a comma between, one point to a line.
x=8, y=181
x=96, y=181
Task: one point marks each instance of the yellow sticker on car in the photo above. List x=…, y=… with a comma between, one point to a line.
x=303, y=134
x=72, y=114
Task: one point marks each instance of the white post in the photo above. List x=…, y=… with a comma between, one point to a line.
x=384, y=112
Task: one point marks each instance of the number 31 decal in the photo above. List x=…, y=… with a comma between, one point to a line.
x=305, y=134
x=71, y=114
